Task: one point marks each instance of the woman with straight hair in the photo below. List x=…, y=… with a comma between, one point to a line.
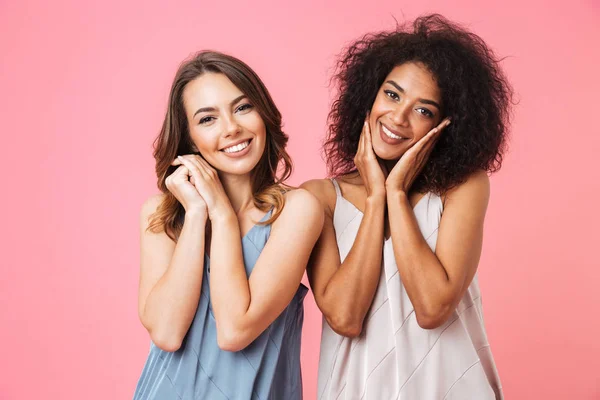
x=225, y=245
x=420, y=120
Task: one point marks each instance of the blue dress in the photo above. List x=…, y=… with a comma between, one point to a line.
x=269, y=368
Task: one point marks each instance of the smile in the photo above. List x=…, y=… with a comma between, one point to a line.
x=389, y=134
x=237, y=148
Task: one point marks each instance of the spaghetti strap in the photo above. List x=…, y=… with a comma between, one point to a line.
x=337, y=187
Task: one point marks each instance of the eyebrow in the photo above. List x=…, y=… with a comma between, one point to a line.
x=211, y=109
x=424, y=101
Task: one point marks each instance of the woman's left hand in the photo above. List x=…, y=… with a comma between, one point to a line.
x=208, y=185
x=402, y=176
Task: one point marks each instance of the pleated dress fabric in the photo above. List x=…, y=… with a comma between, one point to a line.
x=394, y=358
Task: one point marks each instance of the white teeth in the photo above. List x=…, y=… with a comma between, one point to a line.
x=237, y=147
x=390, y=134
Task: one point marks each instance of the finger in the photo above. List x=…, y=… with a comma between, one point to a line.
x=444, y=123
x=182, y=170
x=176, y=162
x=359, y=149
x=181, y=173
x=361, y=140
x=428, y=147
x=368, y=138
x=194, y=160
x=432, y=141
x=431, y=135
x=207, y=170
x=193, y=169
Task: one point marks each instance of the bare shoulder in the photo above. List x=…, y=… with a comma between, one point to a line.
x=323, y=190
x=302, y=213
x=150, y=206
x=301, y=203
x=473, y=192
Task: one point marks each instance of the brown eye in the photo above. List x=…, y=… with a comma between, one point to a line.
x=204, y=120
x=244, y=107
x=425, y=112
x=391, y=94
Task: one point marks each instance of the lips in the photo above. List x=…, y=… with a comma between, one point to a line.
x=237, y=146
x=390, y=136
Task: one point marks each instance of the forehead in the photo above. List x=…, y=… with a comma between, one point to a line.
x=210, y=90
x=416, y=80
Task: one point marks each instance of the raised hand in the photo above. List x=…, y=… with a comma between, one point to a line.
x=178, y=183
x=206, y=181
x=370, y=169
x=402, y=176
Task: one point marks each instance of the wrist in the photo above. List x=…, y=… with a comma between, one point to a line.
x=196, y=214
x=221, y=215
x=397, y=195
x=376, y=200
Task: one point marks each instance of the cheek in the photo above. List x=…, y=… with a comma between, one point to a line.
x=203, y=141
x=378, y=107
x=257, y=125
x=422, y=127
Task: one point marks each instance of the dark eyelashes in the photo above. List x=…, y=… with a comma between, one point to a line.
x=426, y=112
x=394, y=96
x=243, y=107
x=391, y=94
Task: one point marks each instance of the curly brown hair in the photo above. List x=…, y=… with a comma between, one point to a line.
x=274, y=167
x=475, y=95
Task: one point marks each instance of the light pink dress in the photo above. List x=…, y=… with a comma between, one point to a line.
x=394, y=358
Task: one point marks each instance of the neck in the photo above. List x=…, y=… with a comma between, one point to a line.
x=389, y=164
x=239, y=191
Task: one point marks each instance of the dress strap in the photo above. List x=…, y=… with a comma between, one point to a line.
x=337, y=187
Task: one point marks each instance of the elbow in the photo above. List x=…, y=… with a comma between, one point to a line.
x=165, y=339
x=347, y=327
x=432, y=318
x=231, y=340
x=169, y=343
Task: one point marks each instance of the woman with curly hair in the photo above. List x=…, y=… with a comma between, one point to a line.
x=420, y=120
x=222, y=306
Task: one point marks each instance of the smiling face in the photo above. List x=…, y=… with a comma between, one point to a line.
x=407, y=106
x=224, y=126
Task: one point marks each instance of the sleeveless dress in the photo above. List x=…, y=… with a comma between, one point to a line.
x=269, y=368
x=394, y=358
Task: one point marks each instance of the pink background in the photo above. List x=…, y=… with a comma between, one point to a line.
x=83, y=92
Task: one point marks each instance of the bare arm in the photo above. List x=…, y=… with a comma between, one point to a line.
x=435, y=282
x=244, y=307
x=170, y=277
x=344, y=291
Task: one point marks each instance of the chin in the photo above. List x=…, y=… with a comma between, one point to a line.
x=238, y=167
x=383, y=151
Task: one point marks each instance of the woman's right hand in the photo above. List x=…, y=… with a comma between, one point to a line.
x=370, y=169
x=181, y=184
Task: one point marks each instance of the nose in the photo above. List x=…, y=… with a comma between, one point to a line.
x=400, y=115
x=232, y=127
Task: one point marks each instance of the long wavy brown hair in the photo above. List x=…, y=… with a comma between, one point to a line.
x=269, y=175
